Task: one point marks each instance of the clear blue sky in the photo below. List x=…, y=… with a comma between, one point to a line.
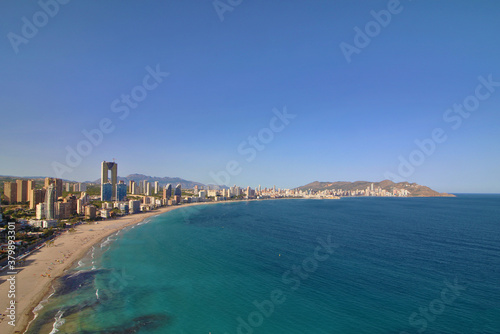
x=353, y=119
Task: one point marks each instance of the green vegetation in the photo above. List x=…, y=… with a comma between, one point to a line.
x=66, y=193
x=93, y=190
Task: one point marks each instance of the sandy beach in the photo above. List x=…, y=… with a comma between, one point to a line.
x=34, y=278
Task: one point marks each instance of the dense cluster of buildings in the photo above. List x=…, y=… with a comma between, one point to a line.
x=368, y=191
x=116, y=196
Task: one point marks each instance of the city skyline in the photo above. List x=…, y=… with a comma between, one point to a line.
x=264, y=93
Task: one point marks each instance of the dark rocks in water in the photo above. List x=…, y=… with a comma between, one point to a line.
x=80, y=307
x=71, y=282
x=145, y=322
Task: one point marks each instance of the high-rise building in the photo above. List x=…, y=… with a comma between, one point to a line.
x=167, y=191
x=105, y=168
x=72, y=201
x=58, y=185
x=144, y=187
x=178, y=190
x=31, y=186
x=22, y=191
x=90, y=212
x=177, y=199
x=40, y=211
x=36, y=196
x=10, y=192
x=157, y=187
x=50, y=200
x=62, y=210
x=134, y=206
x=147, y=191
x=85, y=198
x=107, y=192
x=80, y=206
x=121, y=191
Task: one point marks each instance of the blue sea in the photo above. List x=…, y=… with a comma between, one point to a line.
x=354, y=265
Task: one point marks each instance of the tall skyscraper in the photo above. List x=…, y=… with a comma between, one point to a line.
x=58, y=185
x=31, y=186
x=36, y=196
x=10, y=192
x=22, y=191
x=157, y=187
x=167, y=191
x=107, y=192
x=50, y=200
x=147, y=191
x=121, y=191
x=135, y=188
x=105, y=168
x=178, y=190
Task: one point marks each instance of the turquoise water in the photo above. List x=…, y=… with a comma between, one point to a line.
x=355, y=265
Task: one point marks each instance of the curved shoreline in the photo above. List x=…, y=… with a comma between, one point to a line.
x=54, y=261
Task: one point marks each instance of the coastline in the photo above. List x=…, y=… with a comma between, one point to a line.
x=35, y=278
x=54, y=261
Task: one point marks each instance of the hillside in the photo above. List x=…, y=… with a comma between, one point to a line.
x=414, y=189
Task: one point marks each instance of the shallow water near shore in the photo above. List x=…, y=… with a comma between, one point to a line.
x=355, y=265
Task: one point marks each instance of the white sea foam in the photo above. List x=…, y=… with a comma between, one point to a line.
x=38, y=308
x=107, y=241
x=145, y=221
x=59, y=321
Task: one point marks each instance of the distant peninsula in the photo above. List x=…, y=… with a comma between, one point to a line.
x=366, y=188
